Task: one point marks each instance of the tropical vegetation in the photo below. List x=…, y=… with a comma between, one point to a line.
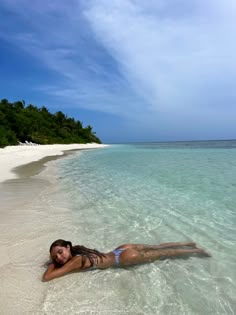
x=21, y=124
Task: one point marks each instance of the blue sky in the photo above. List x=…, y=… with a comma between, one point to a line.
x=157, y=70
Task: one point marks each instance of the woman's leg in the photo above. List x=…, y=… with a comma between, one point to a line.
x=132, y=256
x=141, y=247
x=164, y=245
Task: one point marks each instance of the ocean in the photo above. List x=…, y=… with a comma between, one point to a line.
x=149, y=193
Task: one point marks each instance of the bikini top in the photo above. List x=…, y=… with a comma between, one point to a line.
x=89, y=268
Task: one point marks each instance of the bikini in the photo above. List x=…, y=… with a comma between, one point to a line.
x=90, y=268
x=117, y=253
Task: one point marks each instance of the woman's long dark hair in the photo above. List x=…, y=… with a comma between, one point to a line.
x=91, y=254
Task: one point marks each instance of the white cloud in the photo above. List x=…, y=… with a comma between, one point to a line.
x=165, y=63
x=175, y=59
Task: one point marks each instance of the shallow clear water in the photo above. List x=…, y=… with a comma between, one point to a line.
x=152, y=193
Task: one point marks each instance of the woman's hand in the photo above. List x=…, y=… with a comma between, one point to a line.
x=74, y=264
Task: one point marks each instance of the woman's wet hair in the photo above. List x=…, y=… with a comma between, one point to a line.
x=91, y=254
x=61, y=243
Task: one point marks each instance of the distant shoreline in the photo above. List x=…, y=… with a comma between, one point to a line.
x=175, y=141
x=11, y=157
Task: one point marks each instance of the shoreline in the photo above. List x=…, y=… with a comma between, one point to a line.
x=12, y=158
x=34, y=211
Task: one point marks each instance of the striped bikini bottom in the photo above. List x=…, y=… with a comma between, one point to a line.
x=117, y=253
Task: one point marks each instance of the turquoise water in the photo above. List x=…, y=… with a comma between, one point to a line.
x=152, y=193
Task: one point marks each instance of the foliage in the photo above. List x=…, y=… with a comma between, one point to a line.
x=20, y=123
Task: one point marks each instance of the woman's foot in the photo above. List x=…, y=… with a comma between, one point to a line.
x=202, y=252
x=191, y=244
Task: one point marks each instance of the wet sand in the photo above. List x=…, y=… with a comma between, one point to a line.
x=14, y=156
x=30, y=219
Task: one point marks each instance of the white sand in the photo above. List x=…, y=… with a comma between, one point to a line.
x=34, y=211
x=13, y=156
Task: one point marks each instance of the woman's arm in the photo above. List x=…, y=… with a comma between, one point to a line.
x=75, y=263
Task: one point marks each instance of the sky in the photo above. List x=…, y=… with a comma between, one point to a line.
x=136, y=71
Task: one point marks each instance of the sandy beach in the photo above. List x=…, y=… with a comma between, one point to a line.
x=14, y=156
x=29, y=222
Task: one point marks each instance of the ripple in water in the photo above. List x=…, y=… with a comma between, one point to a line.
x=152, y=193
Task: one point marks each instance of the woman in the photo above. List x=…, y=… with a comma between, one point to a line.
x=67, y=258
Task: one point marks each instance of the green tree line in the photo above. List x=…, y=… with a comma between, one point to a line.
x=20, y=123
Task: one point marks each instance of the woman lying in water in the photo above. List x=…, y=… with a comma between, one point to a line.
x=67, y=258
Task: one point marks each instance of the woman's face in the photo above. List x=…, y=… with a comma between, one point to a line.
x=61, y=254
